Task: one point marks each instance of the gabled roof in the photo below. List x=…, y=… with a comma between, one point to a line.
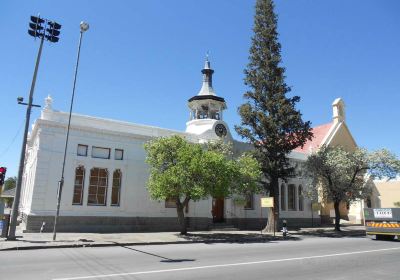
x=320, y=132
x=8, y=193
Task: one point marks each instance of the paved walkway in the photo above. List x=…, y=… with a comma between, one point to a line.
x=65, y=240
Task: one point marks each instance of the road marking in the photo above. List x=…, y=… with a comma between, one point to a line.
x=224, y=265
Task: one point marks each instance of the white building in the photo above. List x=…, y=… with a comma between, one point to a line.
x=106, y=174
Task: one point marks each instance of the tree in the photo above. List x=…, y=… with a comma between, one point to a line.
x=341, y=176
x=184, y=171
x=9, y=183
x=269, y=119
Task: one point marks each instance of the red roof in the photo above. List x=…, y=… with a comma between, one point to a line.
x=319, y=134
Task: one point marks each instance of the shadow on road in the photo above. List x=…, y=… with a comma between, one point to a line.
x=164, y=259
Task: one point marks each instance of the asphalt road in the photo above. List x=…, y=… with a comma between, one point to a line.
x=309, y=258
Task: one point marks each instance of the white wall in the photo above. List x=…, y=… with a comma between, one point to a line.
x=40, y=193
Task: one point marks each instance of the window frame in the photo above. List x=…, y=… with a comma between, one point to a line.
x=301, y=197
x=97, y=147
x=249, y=201
x=82, y=185
x=283, y=197
x=291, y=194
x=97, y=185
x=115, y=154
x=170, y=203
x=117, y=188
x=81, y=155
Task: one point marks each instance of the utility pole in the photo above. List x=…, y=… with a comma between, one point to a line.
x=84, y=27
x=38, y=30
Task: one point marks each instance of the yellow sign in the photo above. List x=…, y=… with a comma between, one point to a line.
x=267, y=202
x=316, y=206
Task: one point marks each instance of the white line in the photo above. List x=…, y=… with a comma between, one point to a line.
x=224, y=265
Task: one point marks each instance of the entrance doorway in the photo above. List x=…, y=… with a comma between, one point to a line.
x=218, y=210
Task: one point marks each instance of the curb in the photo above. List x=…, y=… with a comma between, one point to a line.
x=296, y=235
x=123, y=244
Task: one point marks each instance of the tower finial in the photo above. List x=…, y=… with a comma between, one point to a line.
x=207, y=62
x=48, y=103
x=207, y=88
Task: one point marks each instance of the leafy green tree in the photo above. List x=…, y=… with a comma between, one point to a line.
x=269, y=118
x=10, y=183
x=341, y=176
x=185, y=171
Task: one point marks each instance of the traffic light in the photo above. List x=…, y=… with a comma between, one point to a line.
x=45, y=29
x=53, y=31
x=3, y=171
x=36, y=27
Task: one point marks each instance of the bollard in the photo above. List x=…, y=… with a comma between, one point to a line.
x=42, y=227
x=5, y=224
x=284, y=228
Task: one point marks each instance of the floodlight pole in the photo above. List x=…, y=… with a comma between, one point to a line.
x=50, y=34
x=15, y=206
x=84, y=27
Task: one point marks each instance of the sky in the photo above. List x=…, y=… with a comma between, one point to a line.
x=141, y=61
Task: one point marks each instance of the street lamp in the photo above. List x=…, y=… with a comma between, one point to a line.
x=49, y=31
x=84, y=27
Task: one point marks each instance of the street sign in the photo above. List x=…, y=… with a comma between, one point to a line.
x=267, y=202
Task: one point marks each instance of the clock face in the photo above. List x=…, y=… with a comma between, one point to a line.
x=220, y=130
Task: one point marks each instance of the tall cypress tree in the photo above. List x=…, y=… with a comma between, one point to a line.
x=269, y=118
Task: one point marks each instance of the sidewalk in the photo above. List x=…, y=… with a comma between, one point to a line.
x=26, y=241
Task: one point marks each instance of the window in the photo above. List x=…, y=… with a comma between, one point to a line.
x=301, y=198
x=78, y=185
x=116, y=188
x=98, y=152
x=98, y=186
x=291, y=197
x=249, y=205
x=283, y=197
x=119, y=154
x=82, y=150
x=170, y=203
x=369, y=202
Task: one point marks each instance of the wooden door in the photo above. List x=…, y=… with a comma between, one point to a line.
x=218, y=210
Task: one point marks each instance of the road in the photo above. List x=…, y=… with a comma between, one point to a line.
x=308, y=258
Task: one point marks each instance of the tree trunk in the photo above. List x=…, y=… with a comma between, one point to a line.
x=273, y=214
x=180, y=206
x=181, y=219
x=337, y=215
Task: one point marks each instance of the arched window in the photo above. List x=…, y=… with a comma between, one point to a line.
x=78, y=185
x=301, y=198
x=283, y=197
x=249, y=201
x=291, y=197
x=116, y=188
x=98, y=186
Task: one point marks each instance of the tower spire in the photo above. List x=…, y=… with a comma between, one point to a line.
x=206, y=88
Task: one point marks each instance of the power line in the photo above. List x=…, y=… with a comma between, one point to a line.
x=12, y=141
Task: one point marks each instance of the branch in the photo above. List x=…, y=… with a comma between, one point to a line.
x=355, y=175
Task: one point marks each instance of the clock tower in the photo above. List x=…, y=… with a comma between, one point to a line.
x=206, y=110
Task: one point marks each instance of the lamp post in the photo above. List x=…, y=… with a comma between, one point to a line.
x=84, y=27
x=45, y=30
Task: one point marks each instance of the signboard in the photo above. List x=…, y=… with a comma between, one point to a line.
x=267, y=202
x=316, y=206
x=383, y=213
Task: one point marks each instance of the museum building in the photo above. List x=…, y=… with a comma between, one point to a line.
x=106, y=174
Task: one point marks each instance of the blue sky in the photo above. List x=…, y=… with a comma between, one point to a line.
x=141, y=61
